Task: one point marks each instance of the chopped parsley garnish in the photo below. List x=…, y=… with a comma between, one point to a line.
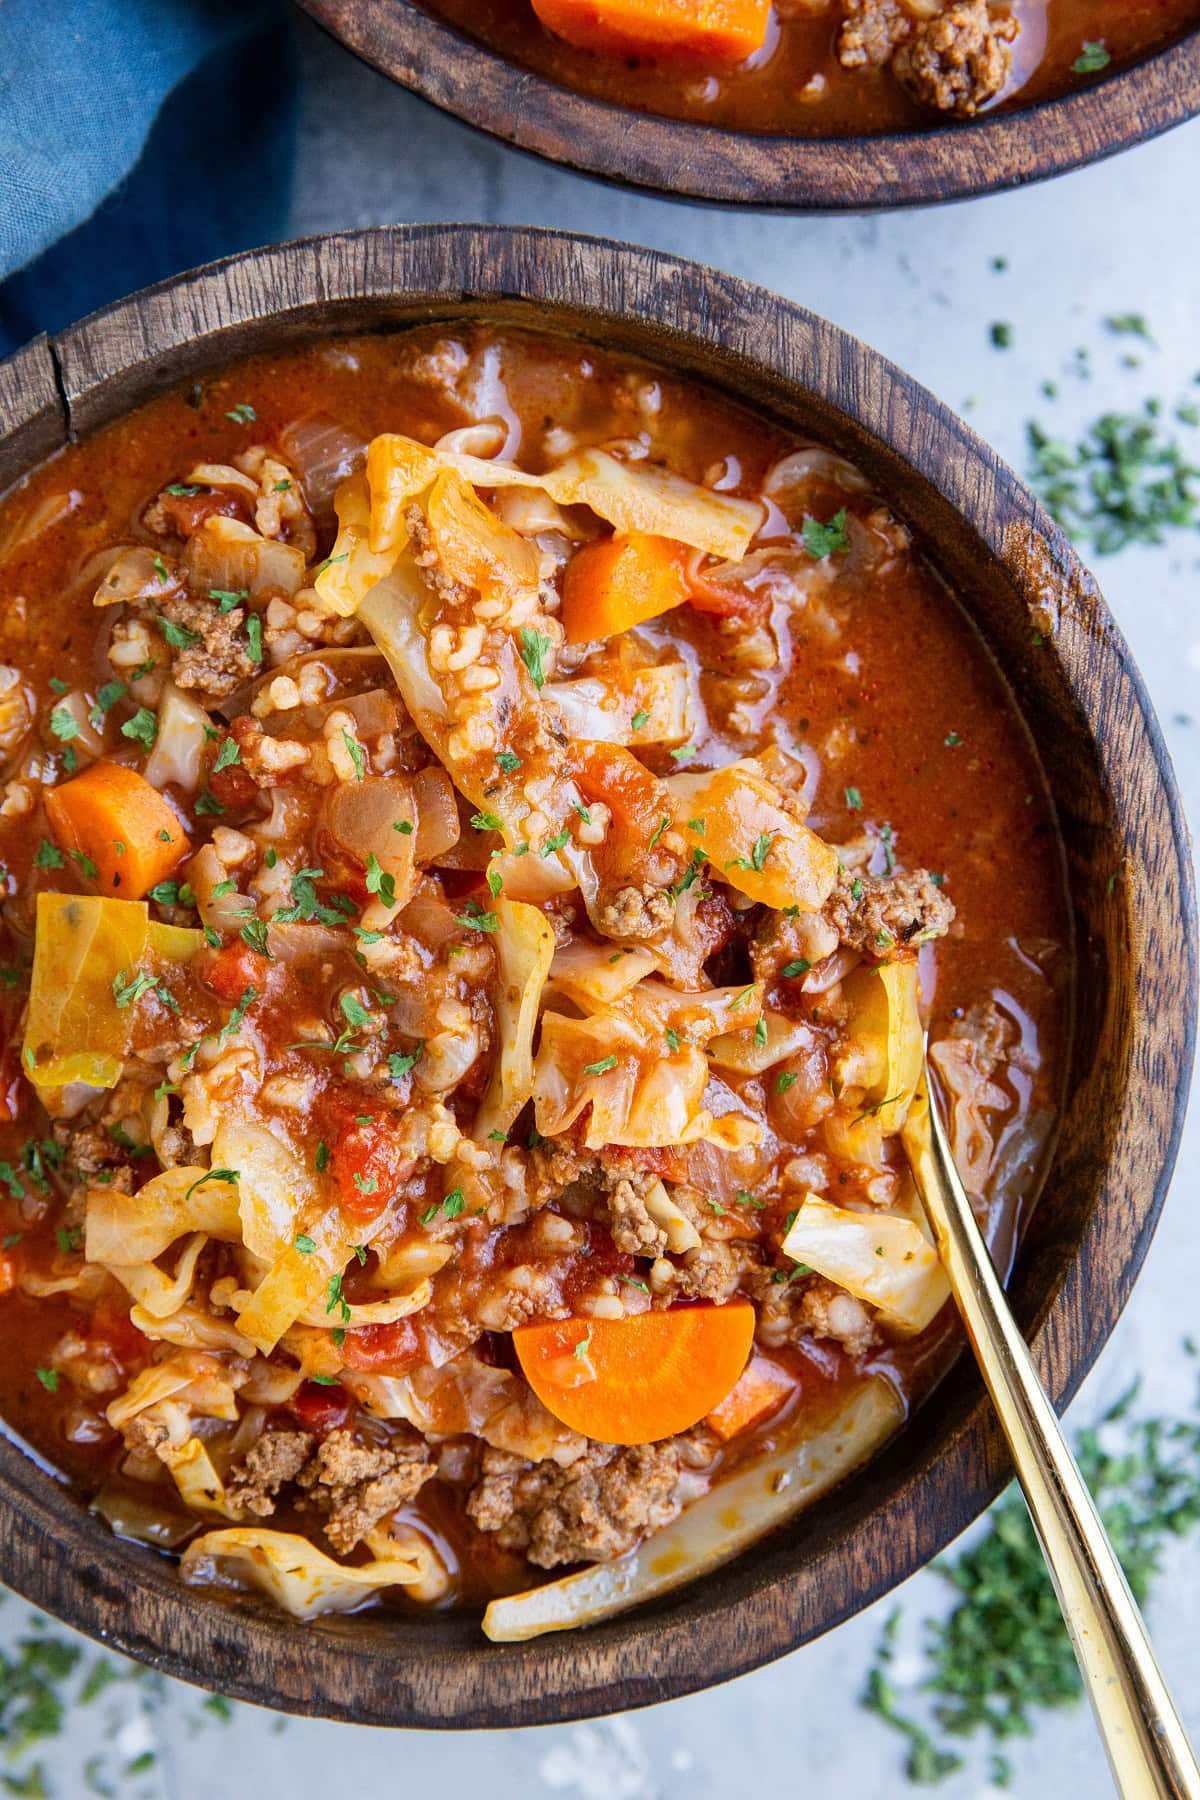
x=227, y=755
x=784, y=1081
x=207, y=802
x=255, y=934
x=344, y=556
x=853, y=799
x=559, y=841
x=495, y=882
x=689, y=875
x=64, y=724
x=354, y=1012
x=477, y=919
x=760, y=1033
x=178, y=636
x=1000, y=333
x=128, y=987
x=87, y=867
x=639, y=721
x=305, y=1244
x=684, y=754
x=241, y=414
x=354, y=749
x=379, y=881
x=1125, y=481
x=48, y=856
x=672, y=1037
x=487, y=821
x=799, y=966
x=507, y=761
x=56, y=686
x=533, y=654
x=887, y=838
x=321, y=1160
x=307, y=903
x=699, y=826
x=48, y=1379
x=142, y=728
x=335, y=1299
x=602, y=1067
x=161, y=570
x=366, y=1184
x=228, y=598
x=254, y=641
x=454, y=1203
x=229, y=1176
x=584, y=1345
x=1091, y=59
x=659, y=829
x=106, y=699
x=825, y=540
x=404, y=827
x=400, y=1065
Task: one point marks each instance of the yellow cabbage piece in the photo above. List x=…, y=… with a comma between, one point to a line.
x=293, y=1572
x=298, y=1279
x=275, y=1186
x=630, y=496
x=74, y=1029
x=619, y=1062
x=736, y=818
x=127, y=1229
x=193, y=1472
x=884, y=1049
x=753, y=1055
x=879, y=1257
x=524, y=950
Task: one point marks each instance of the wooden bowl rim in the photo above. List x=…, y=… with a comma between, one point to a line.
x=439, y=1672
x=711, y=165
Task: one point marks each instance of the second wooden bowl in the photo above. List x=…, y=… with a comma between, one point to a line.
x=700, y=162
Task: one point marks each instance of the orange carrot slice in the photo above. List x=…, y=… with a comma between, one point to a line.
x=619, y=582
x=761, y=1388
x=725, y=31
x=637, y=1379
x=115, y=822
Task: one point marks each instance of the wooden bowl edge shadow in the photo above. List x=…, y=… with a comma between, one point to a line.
x=948, y=1462
x=711, y=165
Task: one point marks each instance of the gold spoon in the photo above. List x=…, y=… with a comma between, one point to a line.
x=1147, y=1745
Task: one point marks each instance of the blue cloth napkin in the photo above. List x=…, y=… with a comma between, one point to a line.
x=137, y=138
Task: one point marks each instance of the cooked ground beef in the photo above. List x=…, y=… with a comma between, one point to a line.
x=276, y=1458
x=633, y=1230
x=789, y=1311
x=873, y=913
x=632, y=912
x=357, y=1483
x=871, y=31
x=958, y=61
x=597, y=1508
x=219, y=662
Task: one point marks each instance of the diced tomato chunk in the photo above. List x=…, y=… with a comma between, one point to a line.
x=367, y=1168
x=394, y=1348
x=234, y=787
x=321, y=1408
x=234, y=969
x=122, y=1336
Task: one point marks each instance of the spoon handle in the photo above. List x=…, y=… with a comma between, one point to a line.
x=1143, y=1734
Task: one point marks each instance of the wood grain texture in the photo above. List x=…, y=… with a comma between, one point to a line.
x=703, y=163
x=1128, y=1071
x=33, y=415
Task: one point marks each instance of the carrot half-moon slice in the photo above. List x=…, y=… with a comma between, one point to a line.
x=637, y=1379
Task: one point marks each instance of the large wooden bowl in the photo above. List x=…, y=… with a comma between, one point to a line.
x=1002, y=150
x=1132, y=901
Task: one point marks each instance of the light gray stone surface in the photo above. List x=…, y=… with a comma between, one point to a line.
x=1121, y=237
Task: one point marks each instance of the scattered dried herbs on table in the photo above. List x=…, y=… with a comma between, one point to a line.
x=1126, y=481
x=1002, y=1656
